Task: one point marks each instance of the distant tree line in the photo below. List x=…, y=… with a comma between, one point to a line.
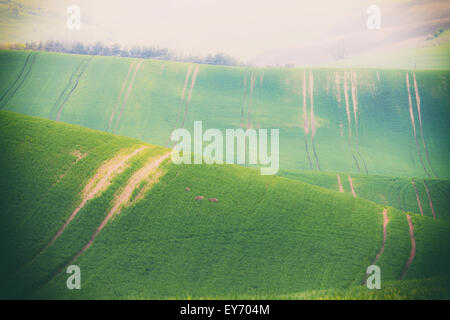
x=144, y=52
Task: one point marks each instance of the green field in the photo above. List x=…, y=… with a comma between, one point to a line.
x=86, y=179
x=267, y=236
x=397, y=192
x=143, y=99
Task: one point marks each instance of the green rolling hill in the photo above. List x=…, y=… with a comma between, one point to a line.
x=86, y=178
x=119, y=209
x=361, y=121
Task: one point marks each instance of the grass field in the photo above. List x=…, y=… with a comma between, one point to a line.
x=397, y=192
x=363, y=119
x=267, y=236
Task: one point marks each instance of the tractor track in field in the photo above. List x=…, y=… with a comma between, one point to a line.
x=82, y=68
x=186, y=110
x=355, y=110
x=124, y=197
x=429, y=199
x=127, y=95
x=305, y=121
x=183, y=93
x=17, y=79
x=385, y=224
x=349, y=120
x=119, y=98
x=96, y=185
x=413, y=247
x=341, y=189
x=427, y=155
x=351, y=186
x=313, y=120
x=63, y=93
x=23, y=75
x=413, y=124
x=417, y=196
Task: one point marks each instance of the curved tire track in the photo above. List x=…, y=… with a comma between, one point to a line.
x=122, y=199
x=83, y=68
x=411, y=113
x=429, y=199
x=413, y=247
x=416, y=90
x=130, y=87
x=417, y=196
x=27, y=59
x=385, y=224
x=99, y=182
x=20, y=80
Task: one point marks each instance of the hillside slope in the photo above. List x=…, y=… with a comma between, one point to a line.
x=384, y=122
x=141, y=234
x=423, y=196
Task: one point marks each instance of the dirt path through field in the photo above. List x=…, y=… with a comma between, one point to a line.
x=385, y=224
x=124, y=83
x=340, y=184
x=351, y=186
x=186, y=110
x=98, y=183
x=413, y=247
x=130, y=87
x=126, y=193
x=411, y=113
x=417, y=196
x=347, y=108
x=429, y=199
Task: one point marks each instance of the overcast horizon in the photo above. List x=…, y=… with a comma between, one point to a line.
x=263, y=31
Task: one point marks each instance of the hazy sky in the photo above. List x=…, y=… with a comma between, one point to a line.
x=243, y=28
